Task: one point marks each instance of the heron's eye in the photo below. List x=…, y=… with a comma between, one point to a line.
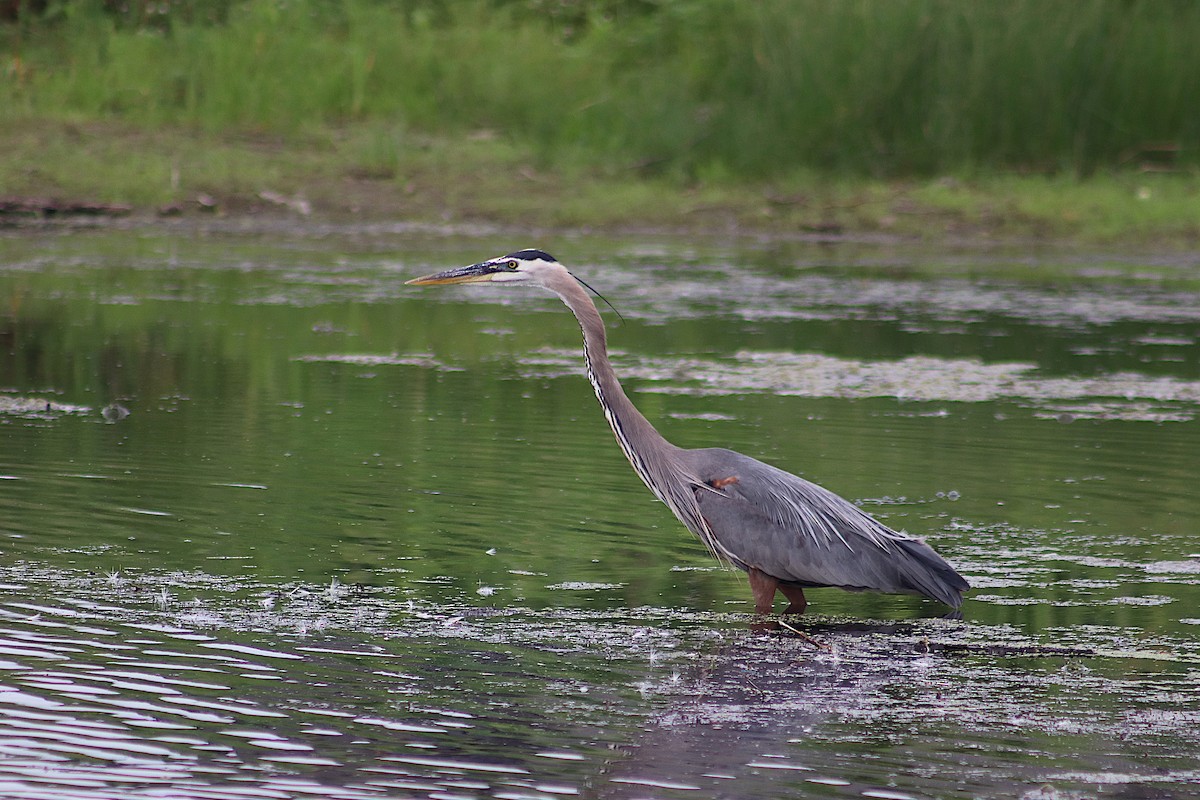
x=511, y=265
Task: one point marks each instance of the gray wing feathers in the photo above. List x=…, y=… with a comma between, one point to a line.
x=801, y=533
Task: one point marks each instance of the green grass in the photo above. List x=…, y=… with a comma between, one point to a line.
x=918, y=117
x=371, y=171
x=693, y=89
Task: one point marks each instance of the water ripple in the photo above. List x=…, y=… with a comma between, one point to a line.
x=107, y=700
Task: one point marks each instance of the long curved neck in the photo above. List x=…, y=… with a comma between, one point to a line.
x=662, y=466
x=645, y=447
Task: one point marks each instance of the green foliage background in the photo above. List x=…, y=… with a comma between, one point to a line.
x=696, y=89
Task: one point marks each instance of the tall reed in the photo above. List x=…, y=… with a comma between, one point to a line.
x=693, y=87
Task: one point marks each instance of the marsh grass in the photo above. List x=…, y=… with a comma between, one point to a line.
x=917, y=117
x=703, y=89
x=378, y=171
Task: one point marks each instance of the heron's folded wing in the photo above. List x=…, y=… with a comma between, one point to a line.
x=800, y=532
x=754, y=539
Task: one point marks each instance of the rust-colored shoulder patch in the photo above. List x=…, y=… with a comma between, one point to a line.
x=721, y=483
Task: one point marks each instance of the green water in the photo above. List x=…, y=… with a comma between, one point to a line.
x=357, y=539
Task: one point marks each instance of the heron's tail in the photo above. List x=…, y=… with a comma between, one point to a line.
x=927, y=573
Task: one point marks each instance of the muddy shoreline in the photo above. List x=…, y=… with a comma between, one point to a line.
x=31, y=216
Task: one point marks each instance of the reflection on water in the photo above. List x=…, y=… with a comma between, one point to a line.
x=355, y=541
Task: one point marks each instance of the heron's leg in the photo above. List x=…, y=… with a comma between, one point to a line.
x=763, y=587
x=795, y=596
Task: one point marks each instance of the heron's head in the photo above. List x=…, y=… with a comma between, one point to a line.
x=523, y=266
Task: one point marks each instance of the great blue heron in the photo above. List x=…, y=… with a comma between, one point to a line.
x=784, y=531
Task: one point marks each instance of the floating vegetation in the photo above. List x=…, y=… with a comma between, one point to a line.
x=916, y=379
x=369, y=360
x=35, y=408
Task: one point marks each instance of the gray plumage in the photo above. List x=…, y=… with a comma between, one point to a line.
x=804, y=534
x=785, y=532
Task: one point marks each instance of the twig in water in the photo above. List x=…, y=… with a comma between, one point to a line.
x=817, y=643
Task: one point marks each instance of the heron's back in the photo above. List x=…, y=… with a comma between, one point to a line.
x=803, y=534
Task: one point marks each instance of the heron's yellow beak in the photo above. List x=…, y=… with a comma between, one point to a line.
x=476, y=273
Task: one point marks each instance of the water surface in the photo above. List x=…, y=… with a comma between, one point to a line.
x=276, y=525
